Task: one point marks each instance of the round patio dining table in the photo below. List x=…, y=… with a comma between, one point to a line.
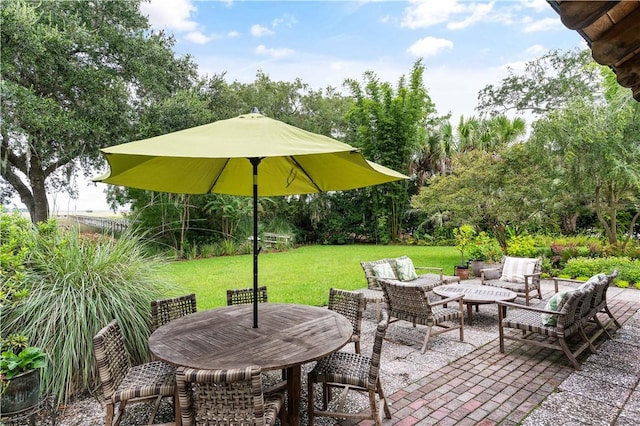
x=288, y=336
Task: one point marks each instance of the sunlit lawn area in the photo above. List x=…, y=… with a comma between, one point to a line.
x=303, y=275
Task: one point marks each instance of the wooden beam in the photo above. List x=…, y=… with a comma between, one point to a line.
x=619, y=41
x=576, y=15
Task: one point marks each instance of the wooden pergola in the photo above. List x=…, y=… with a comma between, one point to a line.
x=612, y=31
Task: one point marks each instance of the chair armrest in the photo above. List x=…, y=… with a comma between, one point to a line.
x=447, y=300
x=429, y=268
x=483, y=270
x=527, y=308
x=556, y=280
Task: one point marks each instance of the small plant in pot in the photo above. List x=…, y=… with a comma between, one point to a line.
x=464, y=236
x=20, y=366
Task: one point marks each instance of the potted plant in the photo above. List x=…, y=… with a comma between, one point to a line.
x=484, y=250
x=19, y=374
x=464, y=239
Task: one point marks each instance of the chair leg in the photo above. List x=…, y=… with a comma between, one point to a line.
x=310, y=406
x=385, y=405
x=615, y=321
x=108, y=421
x=568, y=354
x=357, y=345
x=426, y=339
x=375, y=415
x=601, y=325
x=584, y=336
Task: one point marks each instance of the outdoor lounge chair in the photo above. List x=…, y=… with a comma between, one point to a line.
x=572, y=309
x=518, y=274
x=350, y=371
x=351, y=305
x=400, y=269
x=598, y=302
x=165, y=310
x=123, y=383
x=411, y=303
x=227, y=397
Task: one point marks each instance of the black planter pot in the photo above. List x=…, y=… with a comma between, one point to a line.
x=22, y=393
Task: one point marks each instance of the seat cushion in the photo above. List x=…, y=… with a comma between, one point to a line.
x=515, y=268
x=405, y=268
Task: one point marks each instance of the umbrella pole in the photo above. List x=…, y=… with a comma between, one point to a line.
x=254, y=163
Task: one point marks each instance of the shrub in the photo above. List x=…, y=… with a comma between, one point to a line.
x=521, y=246
x=628, y=269
x=77, y=285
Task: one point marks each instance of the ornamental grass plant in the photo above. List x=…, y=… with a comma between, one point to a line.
x=77, y=284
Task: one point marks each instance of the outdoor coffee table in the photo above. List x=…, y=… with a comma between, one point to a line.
x=287, y=336
x=475, y=295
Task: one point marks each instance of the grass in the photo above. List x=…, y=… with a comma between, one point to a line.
x=302, y=275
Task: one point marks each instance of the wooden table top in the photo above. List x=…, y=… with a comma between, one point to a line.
x=288, y=335
x=475, y=293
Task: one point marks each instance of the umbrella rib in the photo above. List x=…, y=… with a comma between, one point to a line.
x=215, y=181
x=305, y=173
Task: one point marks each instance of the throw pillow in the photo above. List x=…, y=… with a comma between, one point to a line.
x=515, y=268
x=384, y=270
x=555, y=303
x=406, y=270
x=596, y=279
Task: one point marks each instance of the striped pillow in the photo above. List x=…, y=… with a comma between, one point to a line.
x=515, y=268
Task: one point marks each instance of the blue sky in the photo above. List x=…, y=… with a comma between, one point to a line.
x=464, y=45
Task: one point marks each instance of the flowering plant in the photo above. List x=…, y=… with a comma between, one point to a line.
x=485, y=248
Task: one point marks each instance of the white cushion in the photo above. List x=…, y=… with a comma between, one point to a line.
x=555, y=303
x=515, y=268
x=406, y=270
x=384, y=270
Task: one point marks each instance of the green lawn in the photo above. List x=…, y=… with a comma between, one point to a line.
x=303, y=275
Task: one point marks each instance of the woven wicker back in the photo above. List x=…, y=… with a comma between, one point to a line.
x=374, y=369
x=165, y=310
x=111, y=357
x=351, y=305
x=572, y=309
x=221, y=397
x=406, y=302
x=600, y=297
x=245, y=295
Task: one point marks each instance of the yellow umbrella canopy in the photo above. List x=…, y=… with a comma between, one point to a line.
x=213, y=159
x=247, y=155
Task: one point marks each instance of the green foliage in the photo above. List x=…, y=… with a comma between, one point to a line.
x=75, y=78
x=464, y=237
x=521, y=246
x=628, y=269
x=13, y=363
x=485, y=248
x=92, y=279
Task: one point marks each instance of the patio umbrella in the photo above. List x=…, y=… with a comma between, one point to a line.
x=250, y=155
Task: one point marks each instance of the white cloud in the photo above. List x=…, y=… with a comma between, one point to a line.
x=423, y=14
x=171, y=14
x=429, y=46
x=536, y=5
x=545, y=24
x=198, y=38
x=479, y=13
x=286, y=20
x=233, y=34
x=536, y=50
x=258, y=30
x=274, y=53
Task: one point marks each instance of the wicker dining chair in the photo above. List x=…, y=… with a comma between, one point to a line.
x=241, y=296
x=351, y=305
x=410, y=303
x=215, y=397
x=350, y=371
x=123, y=383
x=165, y=310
